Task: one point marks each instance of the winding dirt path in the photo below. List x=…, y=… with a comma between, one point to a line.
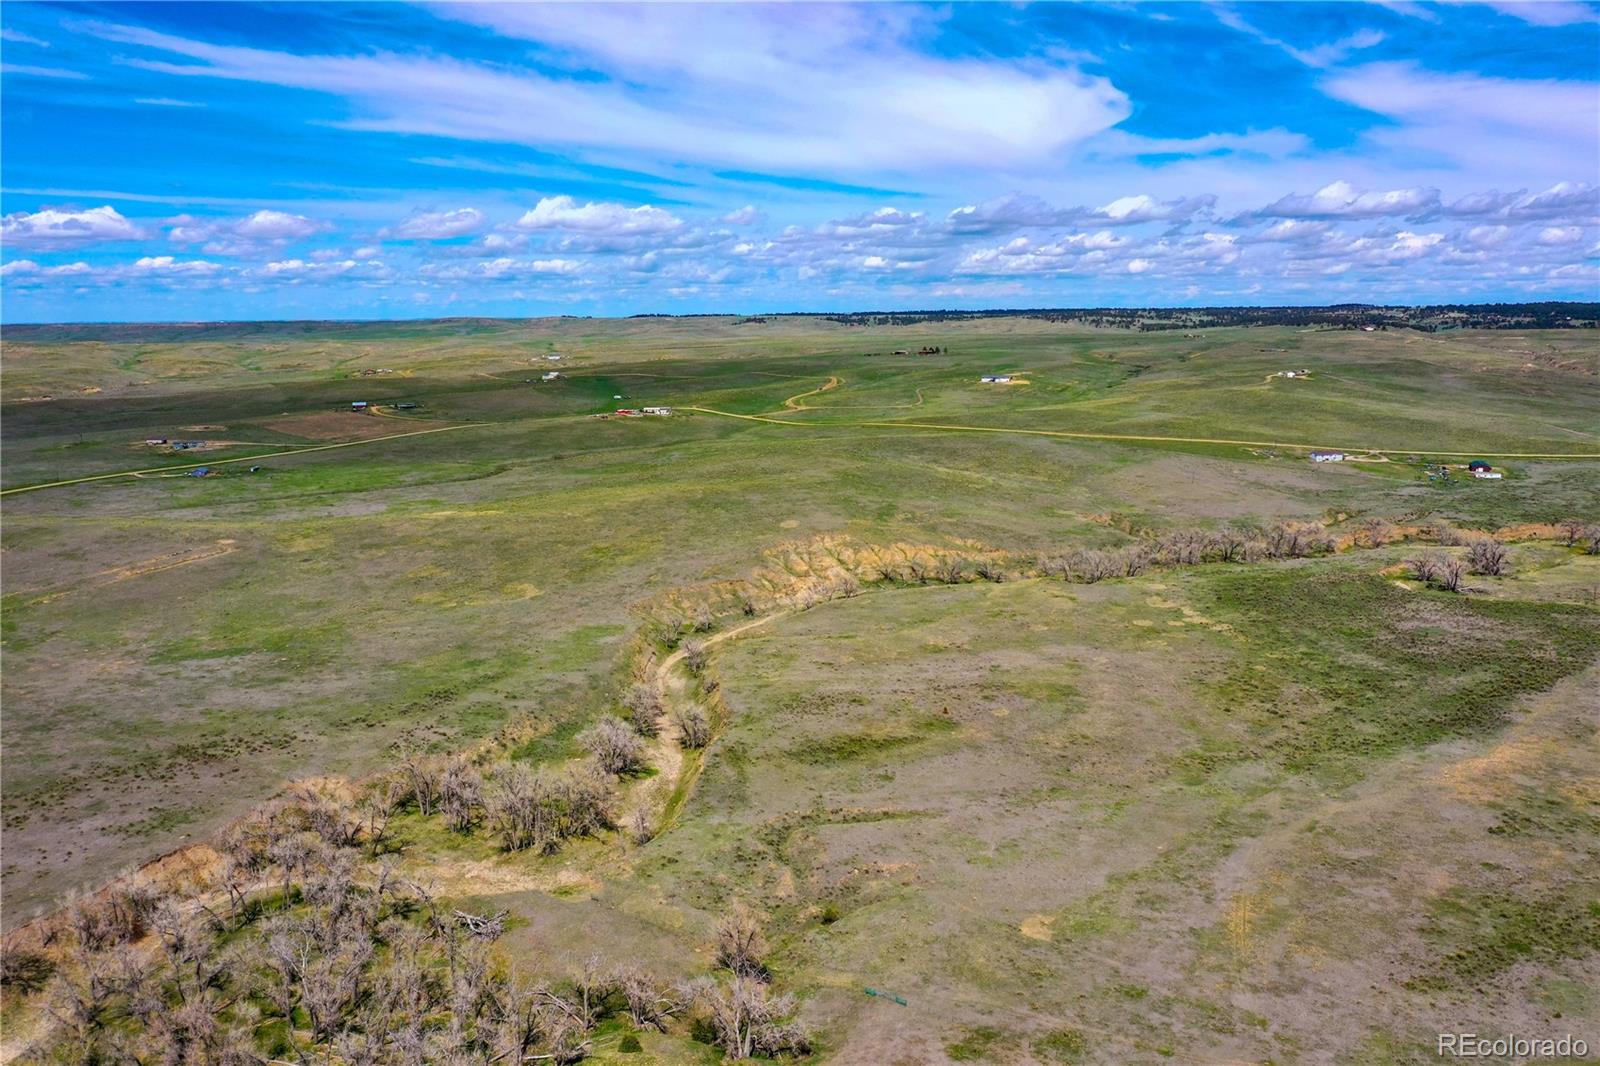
x=793, y=403
x=677, y=774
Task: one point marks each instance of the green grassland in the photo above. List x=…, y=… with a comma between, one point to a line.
x=1204, y=815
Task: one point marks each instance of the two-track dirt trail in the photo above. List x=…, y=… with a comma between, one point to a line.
x=677, y=772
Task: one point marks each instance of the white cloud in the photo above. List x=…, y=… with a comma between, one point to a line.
x=1548, y=12
x=1294, y=229
x=1129, y=210
x=436, y=225
x=165, y=101
x=1559, y=235
x=166, y=265
x=744, y=216
x=18, y=37
x=796, y=87
x=564, y=213
x=43, y=72
x=1475, y=121
x=1340, y=199
x=276, y=226
x=57, y=227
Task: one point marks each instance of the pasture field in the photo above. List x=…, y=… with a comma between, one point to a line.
x=1285, y=810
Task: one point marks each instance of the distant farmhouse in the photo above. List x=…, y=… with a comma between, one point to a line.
x=1327, y=457
x=996, y=379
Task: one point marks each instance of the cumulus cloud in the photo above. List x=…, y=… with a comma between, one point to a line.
x=275, y=226
x=564, y=213
x=1340, y=199
x=243, y=236
x=1559, y=235
x=56, y=227
x=744, y=216
x=28, y=272
x=436, y=225
x=167, y=266
x=1130, y=210
x=1004, y=214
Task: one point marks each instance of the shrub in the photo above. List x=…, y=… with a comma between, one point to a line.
x=629, y=1045
x=740, y=945
x=616, y=748
x=694, y=728
x=1488, y=557
x=644, y=705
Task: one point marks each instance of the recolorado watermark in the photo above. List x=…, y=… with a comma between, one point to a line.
x=1473, y=1046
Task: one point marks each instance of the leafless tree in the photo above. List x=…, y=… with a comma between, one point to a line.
x=1449, y=573
x=693, y=726
x=1296, y=540
x=695, y=655
x=640, y=831
x=1572, y=530
x=1488, y=556
x=1182, y=547
x=421, y=774
x=644, y=704
x=376, y=806
x=616, y=748
x=1133, y=560
x=648, y=1006
x=1423, y=567
x=747, y=1019
x=740, y=945
x=989, y=568
x=1441, y=532
x=460, y=795
x=703, y=618
x=528, y=810
x=1375, y=532
x=1228, y=545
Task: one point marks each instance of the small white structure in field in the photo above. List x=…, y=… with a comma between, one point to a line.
x=552, y=356
x=996, y=379
x=1488, y=475
x=1327, y=457
x=549, y=375
x=656, y=410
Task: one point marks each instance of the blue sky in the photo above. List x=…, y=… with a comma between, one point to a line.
x=223, y=161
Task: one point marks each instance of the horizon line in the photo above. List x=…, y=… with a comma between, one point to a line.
x=1589, y=305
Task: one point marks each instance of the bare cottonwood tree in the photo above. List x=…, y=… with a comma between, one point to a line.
x=644, y=703
x=460, y=795
x=616, y=748
x=740, y=945
x=1488, y=556
x=747, y=1019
